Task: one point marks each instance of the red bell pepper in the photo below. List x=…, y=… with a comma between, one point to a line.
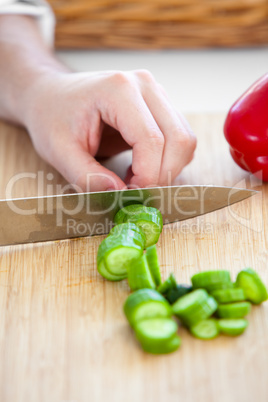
x=246, y=129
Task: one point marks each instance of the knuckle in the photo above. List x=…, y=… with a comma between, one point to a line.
x=120, y=78
x=186, y=141
x=145, y=75
x=156, y=138
x=192, y=143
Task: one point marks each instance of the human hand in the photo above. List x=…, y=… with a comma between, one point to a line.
x=74, y=118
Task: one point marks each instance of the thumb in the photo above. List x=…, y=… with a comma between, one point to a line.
x=80, y=169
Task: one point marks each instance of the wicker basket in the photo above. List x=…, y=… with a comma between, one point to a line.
x=152, y=24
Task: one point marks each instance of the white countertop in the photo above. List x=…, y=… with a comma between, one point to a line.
x=196, y=80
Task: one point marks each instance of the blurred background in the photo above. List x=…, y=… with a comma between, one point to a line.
x=204, y=52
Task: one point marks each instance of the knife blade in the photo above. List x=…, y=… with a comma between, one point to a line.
x=37, y=219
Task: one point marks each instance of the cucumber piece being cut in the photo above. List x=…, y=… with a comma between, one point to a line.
x=139, y=274
x=234, y=310
x=169, y=284
x=149, y=219
x=228, y=295
x=194, y=307
x=144, y=304
x=232, y=326
x=152, y=259
x=128, y=229
x=123, y=213
x=174, y=294
x=158, y=335
x=206, y=329
x=211, y=280
x=254, y=288
x=117, y=254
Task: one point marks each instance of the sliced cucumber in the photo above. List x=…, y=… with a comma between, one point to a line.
x=149, y=219
x=139, y=275
x=152, y=259
x=128, y=229
x=107, y=275
x=187, y=304
x=234, y=310
x=158, y=335
x=211, y=280
x=228, y=295
x=169, y=284
x=174, y=294
x=194, y=307
x=151, y=226
x=206, y=329
x=232, y=326
x=144, y=304
x=120, y=216
x=118, y=254
x=202, y=313
x=110, y=243
x=219, y=286
x=119, y=260
x=254, y=288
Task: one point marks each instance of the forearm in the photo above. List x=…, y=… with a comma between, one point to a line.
x=24, y=60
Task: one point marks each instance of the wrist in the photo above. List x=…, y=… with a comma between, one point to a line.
x=40, y=82
x=24, y=61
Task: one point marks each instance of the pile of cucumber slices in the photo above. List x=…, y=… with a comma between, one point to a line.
x=210, y=306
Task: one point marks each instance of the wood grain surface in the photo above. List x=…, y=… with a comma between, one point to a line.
x=63, y=336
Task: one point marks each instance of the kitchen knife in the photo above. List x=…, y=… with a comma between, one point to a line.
x=75, y=215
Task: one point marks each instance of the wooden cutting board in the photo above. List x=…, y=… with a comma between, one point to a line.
x=63, y=336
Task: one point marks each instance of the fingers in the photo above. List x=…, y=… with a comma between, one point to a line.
x=129, y=175
x=161, y=139
x=81, y=170
x=112, y=143
x=131, y=116
x=180, y=142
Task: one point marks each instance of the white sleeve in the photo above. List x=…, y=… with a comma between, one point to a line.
x=35, y=8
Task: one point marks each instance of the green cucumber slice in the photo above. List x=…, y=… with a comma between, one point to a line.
x=149, y=219
x=128, y=229
x=174, y=294
x=206, y=329
x=202, y=312
x=152, y=259
x=219, y=286
x=158, y=335
x=228, y=295
x=234, y=310
x=152, y=228
x=254, y=288
x=162, y=348
x=188, y=303
x=119, y=260
x=118, y=254
x=110, y=243
x=194, y=307
x=139, y=275
x=209, y=279
x=232, y=326
x=169, y=284
x=107, y=275
x=144, y=304
x=120, y=216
